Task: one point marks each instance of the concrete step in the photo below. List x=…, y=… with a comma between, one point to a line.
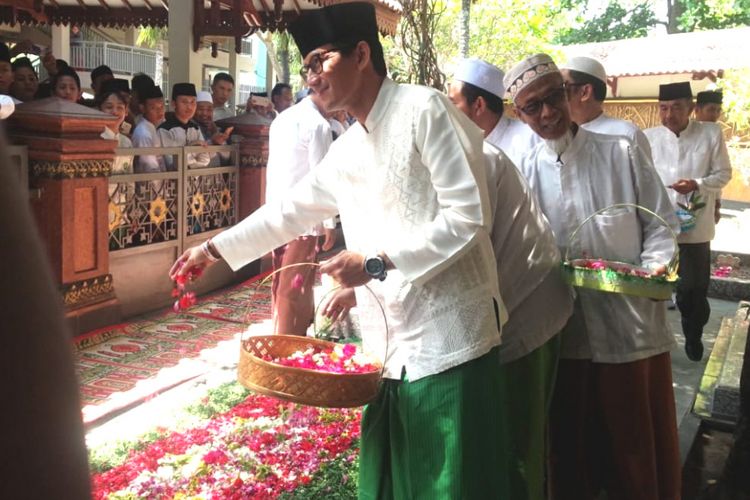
x=718, y=398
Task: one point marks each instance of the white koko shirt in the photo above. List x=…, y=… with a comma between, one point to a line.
x=594, y=172
x=698, y=153
x=146, y=136
x=513, y=137
x=604, y=124
x=408, y=182
x=299, y=138
x=528, y=262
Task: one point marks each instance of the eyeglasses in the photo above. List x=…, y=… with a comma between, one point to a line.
x=552, y=99
x=316, y=63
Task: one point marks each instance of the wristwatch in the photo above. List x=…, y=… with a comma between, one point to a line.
x=375, y=267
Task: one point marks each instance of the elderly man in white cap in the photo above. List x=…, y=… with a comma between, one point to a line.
x=477, y=90
x=527, y=266
x=612, y=423
x=586, y=84
x=692, y=160
x=204, y=115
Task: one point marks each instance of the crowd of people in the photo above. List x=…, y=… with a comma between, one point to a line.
x=499, y=379
x=140, y=106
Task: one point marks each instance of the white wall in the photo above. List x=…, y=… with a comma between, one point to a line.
x=648, y=86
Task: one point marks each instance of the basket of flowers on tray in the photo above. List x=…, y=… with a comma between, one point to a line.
x=621, y=277
x=308, y=370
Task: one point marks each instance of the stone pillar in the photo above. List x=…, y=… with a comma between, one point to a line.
x=251, y=132
x=61, y=41
x=69, y=164
x=181, y=61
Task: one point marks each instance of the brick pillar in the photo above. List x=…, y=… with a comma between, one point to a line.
x=68, y=168
x=251, y=131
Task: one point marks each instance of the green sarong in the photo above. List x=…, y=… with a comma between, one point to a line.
x=525, y=398
x=436, y=438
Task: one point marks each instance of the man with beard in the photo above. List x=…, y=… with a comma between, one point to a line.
x=612, y=423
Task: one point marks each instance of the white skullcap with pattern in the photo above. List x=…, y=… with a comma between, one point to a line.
x=527, y=71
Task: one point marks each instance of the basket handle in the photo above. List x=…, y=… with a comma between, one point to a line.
x=268, y=277
x=673, y=263
x=382, y=311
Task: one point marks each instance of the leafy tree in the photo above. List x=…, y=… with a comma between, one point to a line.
x=501, y=33
x=615, y=23
x=628, y=19
x=712, y=14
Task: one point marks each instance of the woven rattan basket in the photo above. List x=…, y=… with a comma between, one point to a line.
x=301, y=385
x=610, y=280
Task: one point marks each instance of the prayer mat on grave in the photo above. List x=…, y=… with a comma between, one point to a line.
x=246, y=303
x=142, y=358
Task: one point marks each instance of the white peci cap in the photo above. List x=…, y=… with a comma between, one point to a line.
x=481, y=74
x=587, y=65
x=527, y=71
x=204, y=96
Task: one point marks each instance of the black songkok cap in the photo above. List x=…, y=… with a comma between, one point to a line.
x=153, y=92
x=116, y=85
x=672, y=91
x=179, y=89
x=340, y=24
x=4, y=53
x=101, y=71
x=22, y=62
x=709, y=96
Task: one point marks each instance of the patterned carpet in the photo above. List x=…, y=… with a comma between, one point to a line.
x=124, y=364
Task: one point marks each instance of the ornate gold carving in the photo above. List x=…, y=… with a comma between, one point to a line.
x=645, y=114
x=253, y=160
x=158, y=210
x=89, y=291
x=71, y=169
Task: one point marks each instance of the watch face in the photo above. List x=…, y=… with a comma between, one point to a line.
x=374, y=266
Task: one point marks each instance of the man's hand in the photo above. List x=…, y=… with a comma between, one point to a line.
x=659, y=270
x=329, y=239
x=685, y=186
x=191, y=257
x=221, y=138
x=198, y=143
x=717, y=211
x=49, y=62
x=339, y=303
x=347, y=268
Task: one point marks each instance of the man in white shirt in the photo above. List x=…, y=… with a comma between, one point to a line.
x=586, y=84
x=222, y=88
x=145, y=134
x=612, y=422
x=692, y=160
x=299, y=138
x=281, y=96
x=179, y=129
x=481, y=99
x=707, y=109
x=408, y=182
x=528, y=264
